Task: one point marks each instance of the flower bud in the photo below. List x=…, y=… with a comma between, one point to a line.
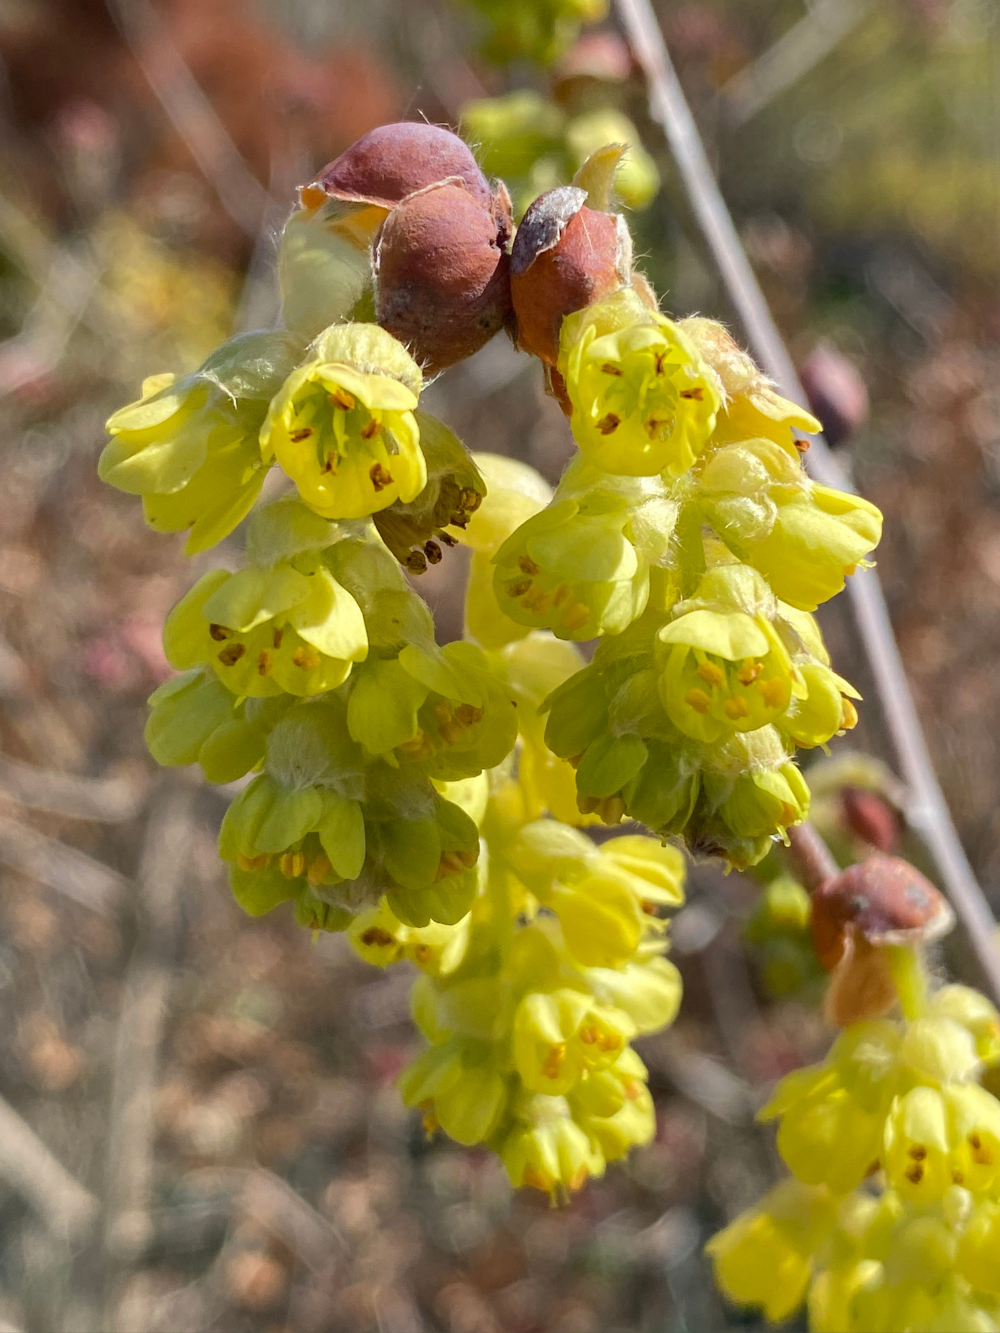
x=636, y=180
x=565, y=256
x=392, y=161
x=884, y=900
x=441, y=273
x=978, y=1259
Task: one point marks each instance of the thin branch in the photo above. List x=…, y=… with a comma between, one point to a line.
x=103, y=800
x=929, y=815
x=27, y=1165
x=811, y=856
x=69, y=871
x=791, y=58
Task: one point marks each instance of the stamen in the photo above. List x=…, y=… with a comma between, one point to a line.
x=609, y=424
x=610, y=369
x=264, y=664
x=371, y=430
x=253, y=862
x=772, y=691
x=697, y=394
x=380, y=478
x=554, y=1060
x=527, y=565
x=376, y=936
x=711, y=672
x=698, y=700
x=218, y=633
x=232, y=653
x=749, y=671
x=341, y=398
x=307, y=658
x=297, y=436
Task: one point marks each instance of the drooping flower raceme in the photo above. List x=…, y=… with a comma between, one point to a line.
x=419, y=795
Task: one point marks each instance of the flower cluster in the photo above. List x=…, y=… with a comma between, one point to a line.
x=688, y=539
x=528, y=1005
x=432, y=800
x=892, y=1218
x=534, y=29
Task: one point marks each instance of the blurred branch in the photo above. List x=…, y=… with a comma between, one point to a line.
x=63, y=868
x=811, y=856
x=790, y=59
x=191, y=113
x=929, y=815
x=104, y=800
x=132, y=1117
x=27, y=1165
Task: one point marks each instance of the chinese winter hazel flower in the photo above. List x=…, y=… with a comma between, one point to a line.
x=189, y=445
x=643, y=400
x=342, y=425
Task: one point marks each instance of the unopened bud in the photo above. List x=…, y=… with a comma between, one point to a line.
x=882, y=900
x=870, y=817
x=442, y=276
x=390, y=162
x=565, y=257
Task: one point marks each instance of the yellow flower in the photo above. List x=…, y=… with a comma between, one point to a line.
x=342, y=425
x=804, y=538
x=189, y=445
x=724, y=665
x=547, y=1150
x=643, y=400
x=765, y=1257
x=266, y=630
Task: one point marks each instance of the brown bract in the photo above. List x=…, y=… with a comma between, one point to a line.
x=441, y=273
x=565, y=256
x=391, y=162
x=881, y=900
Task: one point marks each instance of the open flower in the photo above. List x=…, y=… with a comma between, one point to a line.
x=189, y=445
x=342, y=425
x=804, y=538
x=643, y=400
x=292, y=627
x=581, y=566
x=724, y=667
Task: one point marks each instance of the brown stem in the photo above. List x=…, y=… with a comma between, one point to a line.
x=811, y=856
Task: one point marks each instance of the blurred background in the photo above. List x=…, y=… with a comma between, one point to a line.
x=199, y=1128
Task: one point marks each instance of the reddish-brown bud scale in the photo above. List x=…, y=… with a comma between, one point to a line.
x=565, y=256
x=390, y=162
x=882, y=900
x=871, y=818
x=442, y=276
